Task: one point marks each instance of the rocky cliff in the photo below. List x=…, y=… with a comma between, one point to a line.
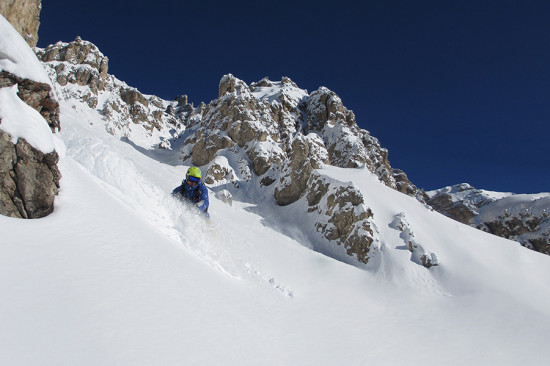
x=24, y=15
x=275, y=135
x=29, y=176
x=29, y=179
x=285, y=133
x=81, y=75
x=520, y=217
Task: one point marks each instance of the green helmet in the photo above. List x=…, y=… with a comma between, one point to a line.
x=193, y=172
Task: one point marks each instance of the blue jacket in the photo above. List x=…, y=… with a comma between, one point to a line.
x=197, y=194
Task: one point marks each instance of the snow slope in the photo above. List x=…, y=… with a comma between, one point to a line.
x=123, y=274
x=17, y=57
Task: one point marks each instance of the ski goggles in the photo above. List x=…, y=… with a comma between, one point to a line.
x=193, y=179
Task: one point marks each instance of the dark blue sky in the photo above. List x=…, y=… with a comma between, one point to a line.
x=457, y=91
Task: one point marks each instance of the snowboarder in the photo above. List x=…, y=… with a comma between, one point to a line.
x=193, y=190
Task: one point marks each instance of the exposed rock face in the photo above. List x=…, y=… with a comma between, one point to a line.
x=78, y=62
x=286, y=134
x=238, y=118
x=305, y=154
x=29, y=179
x=404, y=185
x=523, y=218
x=341, y=215
x=24, y=15
x=341, y=135
x=459, y=202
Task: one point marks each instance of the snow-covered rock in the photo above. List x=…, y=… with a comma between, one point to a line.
x=81, y=74
x=521, y=217
x=225, y=196
x=282, y=134
x=419, y=254
x=285, y=133
x=78, y=62
x=29, y=113
x=341, y=216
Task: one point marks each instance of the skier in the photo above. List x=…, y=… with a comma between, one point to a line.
x=193, y=190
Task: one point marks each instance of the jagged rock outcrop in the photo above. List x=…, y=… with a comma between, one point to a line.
x=81, y=73
x=404, y=185
x=240, y=118
x=523, y=218
x=342, y=137
x=78, y=62
x=29, y=176
x=29, y=179
x=305, y=154
x=24, y=15
x=341, y=215
x=286, y=134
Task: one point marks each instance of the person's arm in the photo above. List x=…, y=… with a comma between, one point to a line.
x=177, y=190
x=204, y=202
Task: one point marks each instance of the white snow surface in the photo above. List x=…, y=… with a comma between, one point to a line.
x=17, y=57
x=20, y=120
x=273, y=92
x=123, y=274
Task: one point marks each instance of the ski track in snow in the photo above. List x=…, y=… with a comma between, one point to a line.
x=271, y=281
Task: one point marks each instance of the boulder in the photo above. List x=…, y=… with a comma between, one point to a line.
x=341, y=216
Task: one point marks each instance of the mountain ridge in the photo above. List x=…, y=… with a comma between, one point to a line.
x=270, y=129
x=524, y=218
x=271, y=135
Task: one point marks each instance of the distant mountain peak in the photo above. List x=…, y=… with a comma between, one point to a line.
x=521, y=217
